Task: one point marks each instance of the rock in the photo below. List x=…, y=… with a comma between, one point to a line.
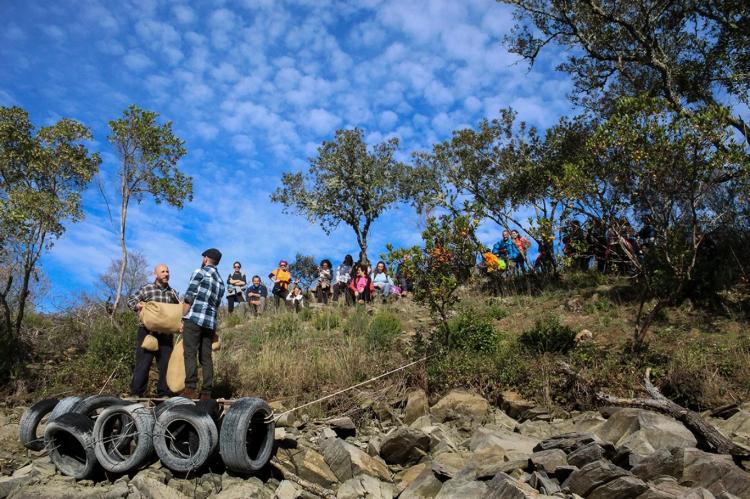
x=373, y=445
x=151, y=488
x=441, y=439
x=421, y=422
x=10, y=483
x=543, y=483
x=404, y=446
x=591, y=476
x=198, y=489
x=288, y=490
x=416, y=406
x=327, y=432
x=464, y=489
x=309, y=465
x=501, y=419
x=568, y=442
x=514, y=405
x=251, y=487
x=288, y=420
x=643, y=432
x=448, y=464
x=536, y=429
x=406, y=477
x=548, y=460
x=737, y=427
x=623, y=487
x=365, y=486
x=506, y=487
x=347, y=461
x=590, y=453
x=284, y=438
x=668, y=488
x=467, y=408
x=486, y=463
x=583, y=336
x=344, y=427
x=574, y=305
x=423, y=486
x=513, y=445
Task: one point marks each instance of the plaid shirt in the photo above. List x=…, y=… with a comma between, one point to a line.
x=204, y=293
x=153, y=292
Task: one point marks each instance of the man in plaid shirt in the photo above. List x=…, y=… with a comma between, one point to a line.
x=158, y=291
x=200, y=307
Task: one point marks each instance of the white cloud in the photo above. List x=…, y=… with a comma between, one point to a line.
x=14, y=33
x=137, y=61
x=183, y=14
x=388, y=119
x=243, y=144
x=54, y=32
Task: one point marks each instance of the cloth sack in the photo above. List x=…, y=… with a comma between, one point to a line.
x=176, y=368
x=162, y=317
x=216, y=343
x=150, y=343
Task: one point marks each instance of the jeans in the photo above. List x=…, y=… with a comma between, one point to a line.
x=384, y=290
x=197, y=342
x=143, y=359
x=232, y=299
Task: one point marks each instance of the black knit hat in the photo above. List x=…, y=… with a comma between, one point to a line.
x=213, y=254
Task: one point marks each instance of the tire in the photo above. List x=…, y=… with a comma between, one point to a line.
x=210, y=407
x=171, y=402
x=30, y=420
x=123, y=436
x=185, y=438
x=246, y=441
x=71, y=445
x=66, y=405
x=90, y=406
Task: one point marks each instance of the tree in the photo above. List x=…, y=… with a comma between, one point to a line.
x=149, y=154
x=42, y=175
x=137, y=273
x=305, y=269
x=345, y=183
x=690, y=53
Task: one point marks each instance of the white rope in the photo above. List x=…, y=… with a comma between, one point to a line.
x=277, y=417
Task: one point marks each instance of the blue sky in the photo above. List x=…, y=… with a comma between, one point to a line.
x=254, y=87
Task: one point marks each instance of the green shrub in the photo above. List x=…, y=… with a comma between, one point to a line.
x=358, y=323
x=472, y=332
x=285, y=324
x=305, y=314
x=548, y=335
x=327, y=320
x=233, y=320
x=495, y=311
x=384, y=328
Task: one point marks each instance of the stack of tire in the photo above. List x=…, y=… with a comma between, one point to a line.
x=87, y=435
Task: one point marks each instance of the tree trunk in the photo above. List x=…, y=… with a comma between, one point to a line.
x=124, y=262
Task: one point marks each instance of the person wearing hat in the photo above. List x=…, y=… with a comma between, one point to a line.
x=158, y=291
x=281, y=278
x=200, y=307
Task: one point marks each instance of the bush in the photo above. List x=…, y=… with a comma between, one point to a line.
x=327, y=320
x=305, y=314
x=472, y=332
x=495, y=311
x=233, y=320
x=285, y=324
x=548, y=335
x=384, y=328
x=358, y=323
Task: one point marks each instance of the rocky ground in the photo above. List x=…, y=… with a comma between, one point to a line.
x=460, y=447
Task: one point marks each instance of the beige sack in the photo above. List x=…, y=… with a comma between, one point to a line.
x=216, y=343
x=176, y=368
x=150, y=343
x=162, y=317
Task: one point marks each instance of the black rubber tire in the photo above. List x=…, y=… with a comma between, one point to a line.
x=66, y=405
x=90, y=406
x=185, y=438
x=210, y=407
x=246, y=441
x=171, y=402
x=71, y=445
x=123, y=453
x=29, y=423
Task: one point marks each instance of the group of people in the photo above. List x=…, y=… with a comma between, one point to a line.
x=356, y=282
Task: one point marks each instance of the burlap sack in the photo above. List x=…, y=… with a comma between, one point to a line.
x=216, y=343
x=176, y=368
x=150, y=343
x=162, y=317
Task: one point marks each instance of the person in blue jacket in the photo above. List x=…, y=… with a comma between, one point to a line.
x=507, y=250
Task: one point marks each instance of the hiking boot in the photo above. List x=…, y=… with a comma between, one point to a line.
x=189, y=393
x=206, y=396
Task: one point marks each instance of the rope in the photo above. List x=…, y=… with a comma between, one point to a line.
x=326, y=397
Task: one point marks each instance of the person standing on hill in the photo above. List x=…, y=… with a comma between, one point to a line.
x=281, y=278
x=200, y=308
x=236, y=283
x=158, y=291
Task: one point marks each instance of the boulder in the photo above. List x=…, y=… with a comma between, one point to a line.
x=252, y=487
x=284, y=438
x=590, y=453
x=309, y=465
x=536, y=429
x=422, y=422
x=405, y=478
x=426, y=485
x=416, y=406
x=467, y=408
x=151, y=488
x=448, y=464
x=642, y=432
x=442, y=438
x=486, y=463
x=548, y=460
x=10, y=483
x=568, y=442
x=623, y=487
x=471, y=489
x=543, y=483
x=197, y=489
x=737, y=427
x=514, y=405
x=504, y=486
x=404, y=446
x=513, y=445
x=288, y=490
x=347, y=461
x=592, y=476
x=365, y=486
x=499, y=418
x=343, y=427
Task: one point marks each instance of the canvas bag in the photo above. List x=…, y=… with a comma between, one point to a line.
x=176, y=368
x=160, y=317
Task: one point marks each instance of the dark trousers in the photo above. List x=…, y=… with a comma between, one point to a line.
x=341, y=288
x=279, y=295
x=197, y=342
x=321, y=294
x=231, y=300
x=143, y=359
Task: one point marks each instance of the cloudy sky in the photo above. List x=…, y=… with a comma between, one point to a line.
x=254, y=87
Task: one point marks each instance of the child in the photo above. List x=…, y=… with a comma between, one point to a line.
x=360, y=285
